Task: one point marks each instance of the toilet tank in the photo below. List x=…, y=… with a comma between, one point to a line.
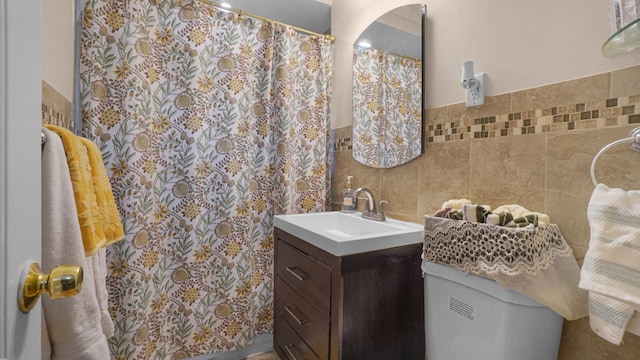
x=472, y=317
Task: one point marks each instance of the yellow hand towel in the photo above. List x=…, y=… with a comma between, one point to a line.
x=109, y=216
x=93, y=237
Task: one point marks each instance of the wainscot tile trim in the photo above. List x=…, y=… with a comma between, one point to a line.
x=620, y=111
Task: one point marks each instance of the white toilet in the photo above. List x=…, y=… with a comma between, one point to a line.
x=471, y=317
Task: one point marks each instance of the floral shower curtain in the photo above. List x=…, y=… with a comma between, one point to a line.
x=387, y=103
x=210, y=123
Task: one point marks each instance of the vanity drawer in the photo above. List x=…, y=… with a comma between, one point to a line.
x=290, y=344
x=303, y=318
x=307, y=276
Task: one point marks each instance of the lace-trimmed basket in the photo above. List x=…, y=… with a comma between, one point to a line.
x=535, y=261
x=490, y=249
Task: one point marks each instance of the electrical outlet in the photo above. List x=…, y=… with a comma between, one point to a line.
x=475, y=96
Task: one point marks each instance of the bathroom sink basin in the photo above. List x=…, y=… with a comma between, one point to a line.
x=343, y=233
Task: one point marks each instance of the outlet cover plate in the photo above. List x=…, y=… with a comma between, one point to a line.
x=475, y=96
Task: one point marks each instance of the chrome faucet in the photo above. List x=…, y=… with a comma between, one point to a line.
x=371, y=212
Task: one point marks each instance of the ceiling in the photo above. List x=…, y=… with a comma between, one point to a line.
x=315, y=15
x=398, y=31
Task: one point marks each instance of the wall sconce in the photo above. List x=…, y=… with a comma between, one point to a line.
x=474, y=84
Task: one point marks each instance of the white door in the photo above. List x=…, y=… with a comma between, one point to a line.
x=20, y=93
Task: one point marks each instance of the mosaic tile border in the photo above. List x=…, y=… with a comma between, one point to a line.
x=589, y=115
x=619, y=111
x=52, y=117
x=341, y=144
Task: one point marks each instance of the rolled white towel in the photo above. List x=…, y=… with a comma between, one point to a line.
x=493, y=219
x=455, y=204
x=520, y=211
x=514, y=209
x=469, y=212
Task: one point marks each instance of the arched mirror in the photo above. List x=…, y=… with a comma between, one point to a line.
x=388, y=99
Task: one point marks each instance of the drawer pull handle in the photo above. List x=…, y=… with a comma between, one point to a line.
x=290, y=351
x=299, y=274
x=299, y=319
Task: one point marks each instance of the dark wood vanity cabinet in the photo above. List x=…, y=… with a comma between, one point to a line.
x=362, y=306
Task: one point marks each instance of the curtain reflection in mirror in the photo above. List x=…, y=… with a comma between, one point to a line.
x=387, y=101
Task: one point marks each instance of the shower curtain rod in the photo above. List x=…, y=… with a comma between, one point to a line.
x=242, y=12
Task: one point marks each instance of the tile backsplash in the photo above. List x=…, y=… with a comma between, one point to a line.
x=590, y=115
x=531, y=147
x=612, y=112
x=56, y=109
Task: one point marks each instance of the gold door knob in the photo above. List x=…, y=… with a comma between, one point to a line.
x=63, y=281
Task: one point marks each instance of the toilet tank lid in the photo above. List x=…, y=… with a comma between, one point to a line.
x=479, y=283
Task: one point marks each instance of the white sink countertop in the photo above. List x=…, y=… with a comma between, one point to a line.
x=341, y=233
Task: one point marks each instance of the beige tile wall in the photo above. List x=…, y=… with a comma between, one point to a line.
x=56, y=109
x=544, y=167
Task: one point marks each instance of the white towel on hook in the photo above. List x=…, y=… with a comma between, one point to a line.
x=98, y=265
x=611, y=269
x=72, y=326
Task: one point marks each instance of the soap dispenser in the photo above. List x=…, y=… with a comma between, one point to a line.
x=348, y=197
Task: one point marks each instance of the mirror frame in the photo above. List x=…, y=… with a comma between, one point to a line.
x=423, y=121
x=423, y=103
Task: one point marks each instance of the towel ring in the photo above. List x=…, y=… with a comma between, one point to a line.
x=634, y=143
